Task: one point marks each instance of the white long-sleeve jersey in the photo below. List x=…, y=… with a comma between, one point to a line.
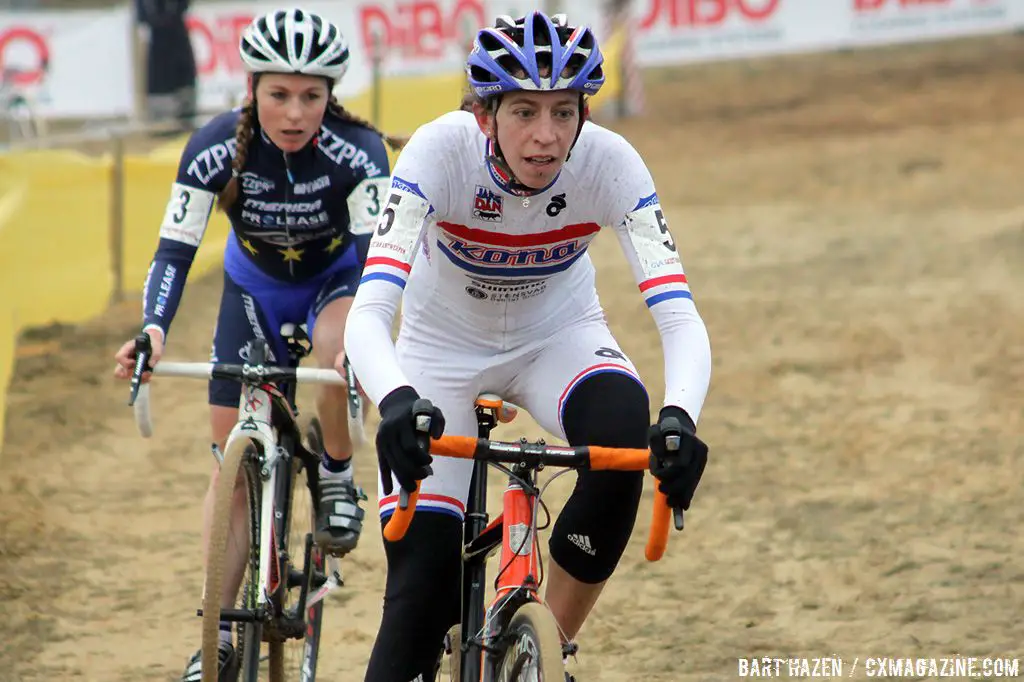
x=484, y=269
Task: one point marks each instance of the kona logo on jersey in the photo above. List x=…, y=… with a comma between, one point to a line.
x=494, y=255
x=487, y=205
x=254, y=184
x=211, y=161
x=339, y=150
x=320, y=183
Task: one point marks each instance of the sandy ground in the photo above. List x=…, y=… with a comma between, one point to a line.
x=853, y=230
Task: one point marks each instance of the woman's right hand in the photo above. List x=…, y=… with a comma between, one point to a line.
x=125, y=356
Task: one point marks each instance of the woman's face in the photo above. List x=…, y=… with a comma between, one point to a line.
x=535, y=131
x=290, y=108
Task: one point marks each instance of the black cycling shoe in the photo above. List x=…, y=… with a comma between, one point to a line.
x=227, y=665
x=339, y=518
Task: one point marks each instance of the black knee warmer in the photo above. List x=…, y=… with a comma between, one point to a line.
x=591, y=533
x=421, y=599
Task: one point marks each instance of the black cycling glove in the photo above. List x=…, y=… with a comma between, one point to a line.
x=677, y=464
x=401, y=449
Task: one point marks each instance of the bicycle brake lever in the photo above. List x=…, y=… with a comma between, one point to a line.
x=143, y=348
x=672, y=442
x=421, y=411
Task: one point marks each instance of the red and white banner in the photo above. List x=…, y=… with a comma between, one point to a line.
x=432, y=36
x=78, y=63
x=70, y=64
x=873, y=22
x=412, y=37
x=215, y=31
x=680, y=31
x=677, y=31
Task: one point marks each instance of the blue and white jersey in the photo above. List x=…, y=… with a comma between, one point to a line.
x=297, y=217
x=484, y=270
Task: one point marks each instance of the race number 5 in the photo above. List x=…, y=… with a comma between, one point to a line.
x=388, y=218
x=663, y=226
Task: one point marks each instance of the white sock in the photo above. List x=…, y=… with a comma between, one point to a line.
x=346, y=474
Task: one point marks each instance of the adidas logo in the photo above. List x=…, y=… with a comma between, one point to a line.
x=583, y=542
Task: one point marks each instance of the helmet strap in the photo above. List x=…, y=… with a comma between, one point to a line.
x=497, y=158
x=583, y=116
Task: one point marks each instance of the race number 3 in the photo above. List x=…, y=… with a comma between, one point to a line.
x=364, y=204
x=183, y=198
x=187, y=211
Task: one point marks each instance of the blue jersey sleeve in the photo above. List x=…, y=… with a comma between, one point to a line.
x=203, y=171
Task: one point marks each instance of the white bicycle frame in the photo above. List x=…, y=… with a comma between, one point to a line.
x=253, y=427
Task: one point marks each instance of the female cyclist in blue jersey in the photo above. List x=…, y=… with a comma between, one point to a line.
x=302, y=182
x=483, y=241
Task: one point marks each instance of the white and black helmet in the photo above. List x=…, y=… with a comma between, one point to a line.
x=294, y=41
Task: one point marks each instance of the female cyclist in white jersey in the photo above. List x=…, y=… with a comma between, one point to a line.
x=485, y=230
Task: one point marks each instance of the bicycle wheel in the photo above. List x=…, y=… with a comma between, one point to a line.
x=294, y=655
x=533, y=650
x=240, y=460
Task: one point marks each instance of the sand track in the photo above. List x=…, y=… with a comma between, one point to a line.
x=853, y=230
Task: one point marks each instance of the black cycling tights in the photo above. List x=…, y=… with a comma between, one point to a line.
x=422, y=599
x=423, y=593
x=591, y=533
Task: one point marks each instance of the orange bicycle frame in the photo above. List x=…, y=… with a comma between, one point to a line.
x=519, y=566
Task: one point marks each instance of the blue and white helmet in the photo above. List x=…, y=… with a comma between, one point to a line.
x=294, y=41
x=535, y=52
